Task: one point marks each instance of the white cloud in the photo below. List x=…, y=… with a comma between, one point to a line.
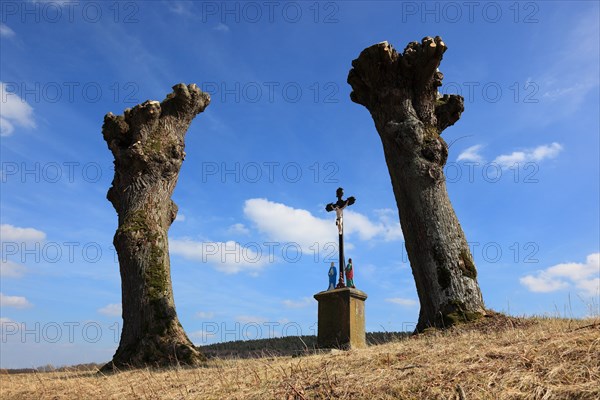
x=4, y=320
x=572, y=72
x=228, y=257
x=559, y=92
x=5, y=31
x=471, y=154
x=282, y=223
x=387, y=227
x=402, y=301
x=111, y=310
x=10, y=269
x=10, y=233
x=584, y=276
x=304, y=302
x=183, y=8
x=59, y=2
x=250, y=319
x=6, y=128
x=221, y=27
x=590, y=287
x=203, y=335
x=13, y=111
x=532, y=155
x=542, y=283
x=546, y=151
x=8, y=327
x=238, y=229
x=205, y=314
x=389, y=221
x=14, y=301
x=360, y=224
x=286, y=224
x=180, y=217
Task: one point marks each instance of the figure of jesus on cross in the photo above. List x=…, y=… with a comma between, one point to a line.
x=339, y=221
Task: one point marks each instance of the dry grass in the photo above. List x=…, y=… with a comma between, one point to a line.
x=500, y=358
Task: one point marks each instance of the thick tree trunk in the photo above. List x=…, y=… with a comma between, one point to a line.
x=400, y=92
x=148, y=145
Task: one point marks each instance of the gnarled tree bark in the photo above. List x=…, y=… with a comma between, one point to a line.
x=400, y=91
x=147, y=143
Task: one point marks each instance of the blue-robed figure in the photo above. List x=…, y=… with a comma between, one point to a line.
x=332, y=276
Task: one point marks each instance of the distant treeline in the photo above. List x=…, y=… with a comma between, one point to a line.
x=282, y=346
x=51, y=368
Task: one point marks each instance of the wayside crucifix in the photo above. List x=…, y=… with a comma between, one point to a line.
x=339, y=206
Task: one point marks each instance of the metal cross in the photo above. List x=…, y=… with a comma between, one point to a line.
x=338, y=207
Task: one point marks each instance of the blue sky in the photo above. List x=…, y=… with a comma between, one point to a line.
x=252, y=241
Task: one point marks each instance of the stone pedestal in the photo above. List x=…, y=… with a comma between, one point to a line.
x=341, y=319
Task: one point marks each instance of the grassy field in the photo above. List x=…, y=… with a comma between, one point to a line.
x=497, y=358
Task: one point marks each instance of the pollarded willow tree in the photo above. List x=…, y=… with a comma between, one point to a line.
x=401, y=93
x=147, y=143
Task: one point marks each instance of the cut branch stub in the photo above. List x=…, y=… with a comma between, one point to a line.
x=403, y=85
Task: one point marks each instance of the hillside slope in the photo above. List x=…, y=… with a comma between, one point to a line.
x=497, y=358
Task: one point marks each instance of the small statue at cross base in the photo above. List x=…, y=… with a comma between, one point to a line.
x=350, y=274
x=332, y=276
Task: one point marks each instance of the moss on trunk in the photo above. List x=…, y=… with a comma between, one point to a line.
x=400, y=92
x=147, y=143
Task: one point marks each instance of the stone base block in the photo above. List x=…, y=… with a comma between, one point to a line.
x=341, y=319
